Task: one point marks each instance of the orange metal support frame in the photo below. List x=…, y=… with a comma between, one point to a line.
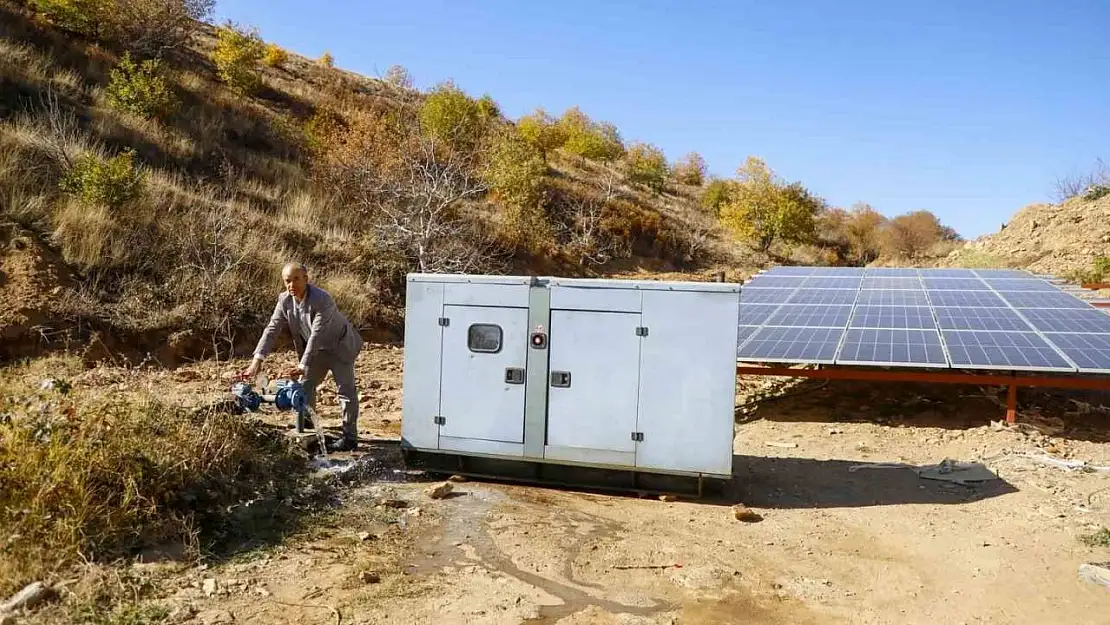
x=1012, y=381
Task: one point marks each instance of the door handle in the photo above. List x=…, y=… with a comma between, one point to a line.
x=514, y=375
x=560, y=379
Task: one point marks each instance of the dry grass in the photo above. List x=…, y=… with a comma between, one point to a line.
x=92, y=476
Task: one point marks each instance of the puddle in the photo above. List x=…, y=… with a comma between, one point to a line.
x=466, y=538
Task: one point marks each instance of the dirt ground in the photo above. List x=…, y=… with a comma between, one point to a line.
x=840, y=540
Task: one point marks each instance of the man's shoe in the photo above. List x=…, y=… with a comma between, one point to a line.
x=343, y=444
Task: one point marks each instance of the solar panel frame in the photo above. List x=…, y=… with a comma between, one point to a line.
x=1078, y=347
x=876, y=341
x=799, y=344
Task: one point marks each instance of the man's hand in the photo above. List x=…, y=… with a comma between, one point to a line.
x=293, y=373
x=252, y=370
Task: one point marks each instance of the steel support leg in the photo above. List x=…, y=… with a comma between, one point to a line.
x=1011, y=404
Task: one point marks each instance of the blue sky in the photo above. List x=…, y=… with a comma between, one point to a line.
x=968, y=109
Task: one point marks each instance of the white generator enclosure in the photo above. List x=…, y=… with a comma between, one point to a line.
x=612, y=374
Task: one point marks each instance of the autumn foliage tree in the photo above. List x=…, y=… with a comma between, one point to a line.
x=690, y=170
x=715, y=195
x=589, y=139
x=647, y=165
x=912, y=234
x=451, y=116
x=764, y=209
x=864, y=229
x=146, y=27
x=543, y=131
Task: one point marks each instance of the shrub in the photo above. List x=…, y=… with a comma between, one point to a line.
x=488, y=108
x=275, y=56
x=327, y=60
x=912, y=234
x=109, y=182
x=515, y=172
x=690, y=170
x=81, y=16
x=92, y=476
x=647, y=165
x=589, y=139
x=1096, y=191
x=863, y=228
x=542, y=131
x=147, y=27
x=716, y=194
x=236, y=56
x=142, y=89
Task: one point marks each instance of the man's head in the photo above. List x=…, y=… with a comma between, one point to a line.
x=295, y=277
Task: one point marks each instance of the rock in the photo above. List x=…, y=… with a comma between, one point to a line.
x=7, y=619
x=367, y=577
x=416, y=511
x=365, y=536
x=1095, y=573
x=833, y=431
x=439, y=491
x=31, y=595
x=745, y=514
x=210, y=586
x=668, y=498
x=456, y=478
x=395, y=503
x=261, y=592
x=215, y=617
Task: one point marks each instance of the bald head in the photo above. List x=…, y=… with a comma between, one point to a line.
x=295, y=277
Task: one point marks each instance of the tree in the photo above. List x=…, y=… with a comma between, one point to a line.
x=912, y=234
x=452, y=117
x=542, y=131
x=690, y=170
x=863, y=228
x=515, y=171
x=398, y=77
x=141, y=88
x=646, y=164
x=599, y=141
x=716, y=194
x=146, y=27
x=763, y=209
x=408, y=188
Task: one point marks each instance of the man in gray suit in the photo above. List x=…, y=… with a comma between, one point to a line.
x=324, y=339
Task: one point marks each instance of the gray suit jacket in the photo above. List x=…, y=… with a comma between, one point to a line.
x=332, y=334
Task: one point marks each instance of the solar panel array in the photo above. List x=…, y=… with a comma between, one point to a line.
x=1003, y=319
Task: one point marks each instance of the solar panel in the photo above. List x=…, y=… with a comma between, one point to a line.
x=757, y=314
x=832, y=282
x=884, y=282
x=962, y=318
x=764, y=296
x=1029, y=299
x=1090, y=352
x=946, y=273
x=823, y=296
x=776, y=282
x=1000, y=285
x=813, y=316
x=893, y=298
x=784, y=270
x=981, y=318
x=1003, y=273
x=880, y=347
x=1067, y=319
x=890, y=271
x=954, y=284
x=966, y=298
x=893, y=317
x=1002, y=350
x=816, y=345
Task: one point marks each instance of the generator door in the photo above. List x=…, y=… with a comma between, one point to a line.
x=482, y=382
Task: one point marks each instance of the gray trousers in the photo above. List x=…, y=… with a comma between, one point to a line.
x=344, y=374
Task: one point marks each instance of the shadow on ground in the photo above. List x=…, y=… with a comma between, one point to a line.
x=1074, y=415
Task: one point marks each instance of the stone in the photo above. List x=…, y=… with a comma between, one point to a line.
x=745, y=514
x=668, y=498
x=210, y=586
x=456, y=478
x=1095, y=573
x=439, y=491
x=215, y=617
x=368, y=577
x=261, y=592
x=31, y=595
x=365, y=536
x=395, y=503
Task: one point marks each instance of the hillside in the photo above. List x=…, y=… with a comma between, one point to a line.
x=1060, y=239
x=146, y=212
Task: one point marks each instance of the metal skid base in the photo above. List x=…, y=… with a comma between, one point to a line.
x=567, y=476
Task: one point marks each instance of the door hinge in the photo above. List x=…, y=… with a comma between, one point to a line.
x=444, y=321
x=638, y=436
x=641, y=331
x=440, y=420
